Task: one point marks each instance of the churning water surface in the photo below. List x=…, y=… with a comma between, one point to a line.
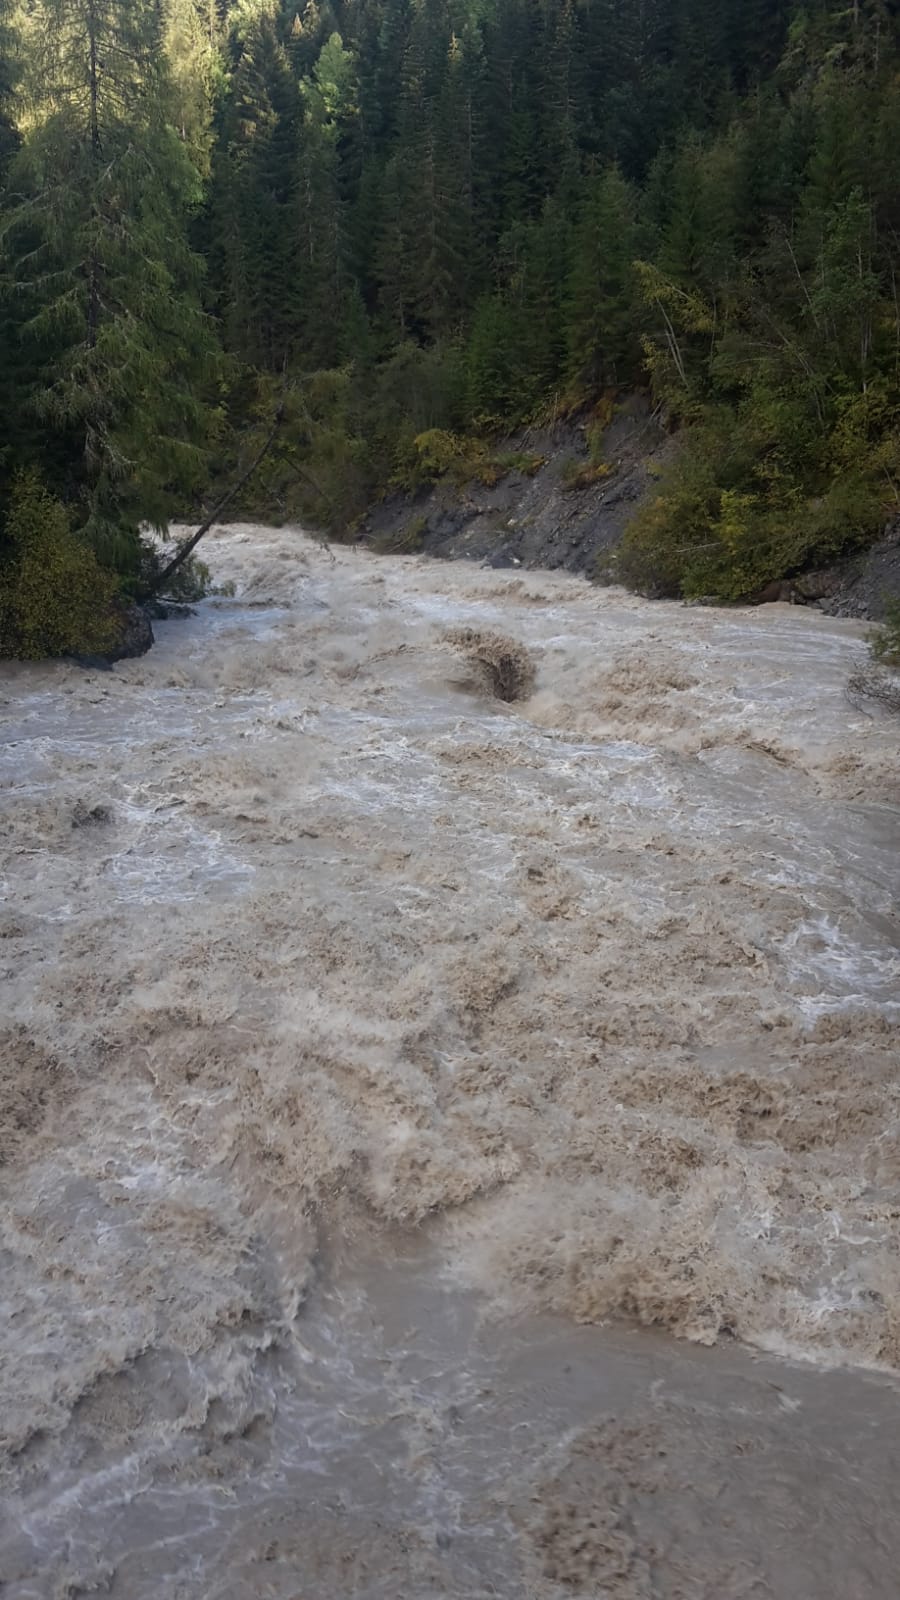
x=389, y=1070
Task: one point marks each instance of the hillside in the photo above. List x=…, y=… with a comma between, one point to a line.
x=390, y=224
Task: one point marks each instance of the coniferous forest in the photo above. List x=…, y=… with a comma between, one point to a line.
x=392, y=230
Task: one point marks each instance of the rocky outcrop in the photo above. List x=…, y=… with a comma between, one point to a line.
x=868, y=581
x=862, y=585
x=570, y=511
x=536, y=518
x=135, y=636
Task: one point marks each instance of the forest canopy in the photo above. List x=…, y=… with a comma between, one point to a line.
x=398, y=220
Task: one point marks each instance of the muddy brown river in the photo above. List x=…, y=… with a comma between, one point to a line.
x=450, y=1144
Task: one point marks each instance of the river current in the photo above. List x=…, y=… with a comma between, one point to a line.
x=449, y=1098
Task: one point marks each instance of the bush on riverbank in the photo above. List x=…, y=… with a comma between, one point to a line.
x=726, y=525
x=55, y=598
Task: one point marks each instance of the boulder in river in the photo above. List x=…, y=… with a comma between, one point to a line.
x=135, y=637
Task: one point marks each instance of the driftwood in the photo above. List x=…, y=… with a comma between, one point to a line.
x=876, y=685
x=187, y=549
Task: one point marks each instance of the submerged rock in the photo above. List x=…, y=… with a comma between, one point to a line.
x=135, y=639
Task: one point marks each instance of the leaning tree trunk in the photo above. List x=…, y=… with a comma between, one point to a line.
x=187, y=549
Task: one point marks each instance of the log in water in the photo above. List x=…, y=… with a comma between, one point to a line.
x=421, y=983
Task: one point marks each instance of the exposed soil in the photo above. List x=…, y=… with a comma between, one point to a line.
x=536, y=520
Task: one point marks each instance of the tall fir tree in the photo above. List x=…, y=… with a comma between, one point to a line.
x=251, y=224
x=602, y=313
x=122, y=356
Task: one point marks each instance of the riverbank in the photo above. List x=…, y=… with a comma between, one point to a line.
x=557, y=505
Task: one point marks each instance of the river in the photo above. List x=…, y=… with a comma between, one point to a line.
x=451, y=1143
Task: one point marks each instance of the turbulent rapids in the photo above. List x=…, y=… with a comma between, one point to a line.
x=426, y=989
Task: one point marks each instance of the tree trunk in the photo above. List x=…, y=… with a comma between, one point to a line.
x=187, y=549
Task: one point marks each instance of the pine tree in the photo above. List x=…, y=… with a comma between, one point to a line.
x=252, y=220
x=192, y=43
x=8, y=80
x=328, y=305
x=103, y=189
x=602, y=315
x=11, y=375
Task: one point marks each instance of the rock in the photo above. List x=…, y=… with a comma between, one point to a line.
x=860, y=586
x=136, y=634
x=537, y=520
x=166, y=610
x=90, y=816
x=870, y=581
x=91, y=663
x=534, y=520
x=771, y=593
x=135, y=639
x=820, y=585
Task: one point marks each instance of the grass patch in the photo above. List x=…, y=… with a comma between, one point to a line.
x=519, y=461
x=584, y=474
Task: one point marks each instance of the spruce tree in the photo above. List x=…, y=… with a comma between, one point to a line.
x=108, y=288
x=328, y=310
x=602, y=314
x=193, y=48
x=252, y=223
x=11, y=377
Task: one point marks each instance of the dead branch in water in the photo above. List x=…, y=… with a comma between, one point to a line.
x=875, y=684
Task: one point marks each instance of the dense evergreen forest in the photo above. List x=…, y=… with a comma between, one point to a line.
x=405, y=227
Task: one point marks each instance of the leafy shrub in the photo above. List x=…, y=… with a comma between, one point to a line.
x=441, y=452
x=725, y=522
x=653, y=554
x=595, y=431
x=55, y=598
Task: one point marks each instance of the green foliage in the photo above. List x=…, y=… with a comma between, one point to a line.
x=727, y=520
x=442, y=454
x=54, y=598
x=463, y=458
x=190, y=582
x=429, y=223
x=578, y=474
x=525, y=462
x=106, y=288
x=773, y=333
x=602, y=310
x=498, y=386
